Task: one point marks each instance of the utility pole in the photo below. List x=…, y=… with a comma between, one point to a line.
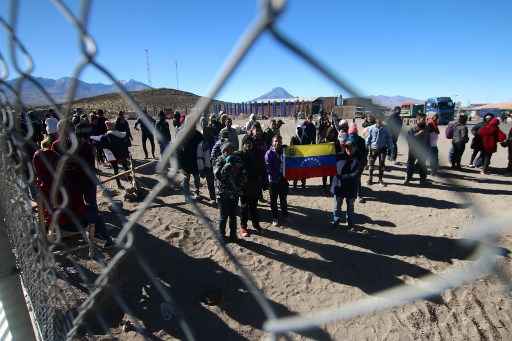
x=148, y=70
x=177, y=77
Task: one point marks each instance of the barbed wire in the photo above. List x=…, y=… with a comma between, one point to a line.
x=56, y=317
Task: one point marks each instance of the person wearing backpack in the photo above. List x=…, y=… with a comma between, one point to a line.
x=459, y=134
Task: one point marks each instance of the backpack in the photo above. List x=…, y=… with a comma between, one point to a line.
x=449, y=131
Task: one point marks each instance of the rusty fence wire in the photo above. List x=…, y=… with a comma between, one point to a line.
x=62, y=313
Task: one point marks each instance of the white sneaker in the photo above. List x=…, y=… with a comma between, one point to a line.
x=275, y=223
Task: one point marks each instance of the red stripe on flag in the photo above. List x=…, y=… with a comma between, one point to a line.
x=304, y=173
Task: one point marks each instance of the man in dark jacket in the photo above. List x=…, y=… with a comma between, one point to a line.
x=146, y=134
x=163, y=128
x=460, y=137
x=394, y=124
x=123, y=126
x=115, y=142
x=101, y=127
x=250, y=192
x=278, y=184
x=187, y=158
x=418, y=136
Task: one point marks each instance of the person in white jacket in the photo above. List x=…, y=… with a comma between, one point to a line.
x=205, y=167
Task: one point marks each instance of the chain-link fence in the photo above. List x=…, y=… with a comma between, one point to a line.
x=64, y=312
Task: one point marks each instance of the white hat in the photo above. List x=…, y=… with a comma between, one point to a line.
x=51, y=125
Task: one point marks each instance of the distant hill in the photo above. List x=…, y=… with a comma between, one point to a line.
x=57, y=88
x=393, y=101
x=153, y=100
x=275, y=93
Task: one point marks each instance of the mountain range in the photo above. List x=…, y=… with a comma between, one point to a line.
x=386, y=101
x=393, y=101
x=57, y=88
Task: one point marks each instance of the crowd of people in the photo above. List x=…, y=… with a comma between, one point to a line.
x=238, y=173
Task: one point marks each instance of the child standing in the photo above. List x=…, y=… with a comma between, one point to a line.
x=229, y=176
x=345, y=185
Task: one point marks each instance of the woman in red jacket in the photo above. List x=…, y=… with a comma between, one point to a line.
x=490, y=135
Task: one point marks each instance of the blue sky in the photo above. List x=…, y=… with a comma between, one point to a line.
x=411, y=48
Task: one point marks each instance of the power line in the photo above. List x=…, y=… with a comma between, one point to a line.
x=177, y=76
x=148, y=69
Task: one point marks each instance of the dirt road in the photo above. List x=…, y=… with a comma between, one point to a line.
x=306, y=265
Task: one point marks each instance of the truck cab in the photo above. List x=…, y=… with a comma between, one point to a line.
x=444, y=107
x=410, y=110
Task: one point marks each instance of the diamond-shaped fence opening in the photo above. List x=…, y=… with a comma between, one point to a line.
x=71, y=295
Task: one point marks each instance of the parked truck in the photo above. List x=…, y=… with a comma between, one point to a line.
x=410, y=110
x=444, y=107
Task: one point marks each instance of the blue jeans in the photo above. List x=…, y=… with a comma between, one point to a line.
x=337, y=214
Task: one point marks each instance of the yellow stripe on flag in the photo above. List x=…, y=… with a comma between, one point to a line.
x=311, y=150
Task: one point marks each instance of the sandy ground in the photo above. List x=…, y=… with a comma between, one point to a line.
x=306, y=265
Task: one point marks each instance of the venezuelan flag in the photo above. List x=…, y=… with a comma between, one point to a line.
x=309, y=161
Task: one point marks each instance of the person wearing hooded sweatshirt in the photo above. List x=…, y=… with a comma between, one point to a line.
x=345, y=184
x=250, y=124
x=232, y=135
x=460, y=137
x=360, y=153
x=146, y=133
x=418, y=136
x=51, y=129
x=476, y=143
x=379, y=141
x=163, y=128
x=297, y=140
x=123, y=126
x=114, y=144
x=491, y=135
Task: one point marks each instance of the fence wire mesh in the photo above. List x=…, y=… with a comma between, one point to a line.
x=62, y=311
